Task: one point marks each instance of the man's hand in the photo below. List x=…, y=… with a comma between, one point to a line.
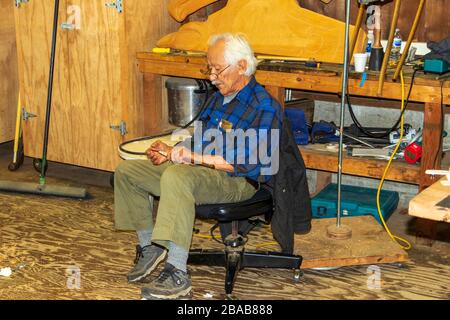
x=181, y=154
x=159, y=152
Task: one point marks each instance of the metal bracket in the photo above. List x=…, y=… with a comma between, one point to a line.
x=118, y=5
x=122, y=128
x=19, y=2
x=67, y=26
x=27, y=115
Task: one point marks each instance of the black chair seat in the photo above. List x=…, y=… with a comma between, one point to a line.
x=260, y=203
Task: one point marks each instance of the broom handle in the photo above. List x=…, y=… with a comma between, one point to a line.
x=49, y=93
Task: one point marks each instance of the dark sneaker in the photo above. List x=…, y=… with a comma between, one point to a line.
x=147, y=259
x=172, y=283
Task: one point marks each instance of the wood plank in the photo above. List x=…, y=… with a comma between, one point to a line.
x=278, y=93
x=95, y=82
x=323, y=179
x=432, y=145
x=145, y=22
x=34, y=23
x=360, y=101
x=327, y=161
x=9, y=82
x=192, y=67
x=370, y=244
x=424, y=205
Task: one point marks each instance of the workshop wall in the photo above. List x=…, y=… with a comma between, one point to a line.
x=434, y=24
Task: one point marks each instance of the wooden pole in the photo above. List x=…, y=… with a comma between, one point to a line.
x=410, y=39
x=359, y=19
x=389, y=47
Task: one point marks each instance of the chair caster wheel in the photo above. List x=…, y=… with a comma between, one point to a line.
x=298, y=275
x=37, y=164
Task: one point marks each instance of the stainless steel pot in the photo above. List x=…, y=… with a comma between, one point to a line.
x=185, y=99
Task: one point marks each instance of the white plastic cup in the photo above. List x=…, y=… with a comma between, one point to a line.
x=360, y=60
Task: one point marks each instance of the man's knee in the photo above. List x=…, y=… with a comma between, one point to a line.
x=178, y=176
x=122, y=169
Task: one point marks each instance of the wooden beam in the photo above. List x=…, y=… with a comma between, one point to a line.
x=327, y=161
x=193, y=67
x=278, y=93
x=432, y=147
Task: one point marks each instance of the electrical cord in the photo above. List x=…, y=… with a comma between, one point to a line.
x=397, y=239
x=394, y=127
x=203, y=89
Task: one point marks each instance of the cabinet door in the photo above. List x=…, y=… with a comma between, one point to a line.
x=95, y=78
x=8, y=72
x=34, y=24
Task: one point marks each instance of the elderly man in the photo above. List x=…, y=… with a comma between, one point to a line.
x=240, y=104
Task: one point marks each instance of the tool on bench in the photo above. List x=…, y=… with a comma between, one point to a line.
x=311, y=62
x=439, y=66
x=177, y=51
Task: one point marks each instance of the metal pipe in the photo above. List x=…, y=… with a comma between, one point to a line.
x=344, y=91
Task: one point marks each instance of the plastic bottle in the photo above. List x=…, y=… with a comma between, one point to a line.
x=370, y=39
x=394, y=57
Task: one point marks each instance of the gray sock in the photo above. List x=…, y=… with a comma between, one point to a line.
x=144, y=237
x=177, y=257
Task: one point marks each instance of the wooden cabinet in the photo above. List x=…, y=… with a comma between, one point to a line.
x=8, y=71
x=96, y=83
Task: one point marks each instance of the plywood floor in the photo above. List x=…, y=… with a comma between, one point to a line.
x=52, y=235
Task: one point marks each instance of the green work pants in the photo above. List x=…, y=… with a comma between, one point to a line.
x=179, y=187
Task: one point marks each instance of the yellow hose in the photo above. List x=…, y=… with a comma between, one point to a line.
x=393, y=237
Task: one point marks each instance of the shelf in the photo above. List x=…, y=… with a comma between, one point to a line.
x=328, y=161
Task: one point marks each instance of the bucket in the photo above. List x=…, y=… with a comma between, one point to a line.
x=185, y=99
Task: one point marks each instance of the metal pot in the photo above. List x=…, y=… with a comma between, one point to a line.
x=185, y=99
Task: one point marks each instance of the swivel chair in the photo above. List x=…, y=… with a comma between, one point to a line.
x=235, y=221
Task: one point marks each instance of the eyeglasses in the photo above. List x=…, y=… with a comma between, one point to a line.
x=214, y=75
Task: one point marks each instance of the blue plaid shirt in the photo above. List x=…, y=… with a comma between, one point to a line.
x=251, y=108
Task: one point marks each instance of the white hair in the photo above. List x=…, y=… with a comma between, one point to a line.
x=236, y=48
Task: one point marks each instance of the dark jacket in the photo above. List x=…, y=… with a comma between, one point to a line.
x=289, y=187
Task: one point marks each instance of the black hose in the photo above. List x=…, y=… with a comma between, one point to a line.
x=394, y=127
x=50, y=90
x=203, y=84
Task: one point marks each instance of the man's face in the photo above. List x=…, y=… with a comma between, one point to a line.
x=227, y=78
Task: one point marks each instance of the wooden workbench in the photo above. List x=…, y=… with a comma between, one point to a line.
x=276, y=77
x=432, y=203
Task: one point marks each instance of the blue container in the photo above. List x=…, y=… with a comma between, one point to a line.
x=355, y=201
x=299, y=126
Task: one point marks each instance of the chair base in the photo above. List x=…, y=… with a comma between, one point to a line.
x=234, y=260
